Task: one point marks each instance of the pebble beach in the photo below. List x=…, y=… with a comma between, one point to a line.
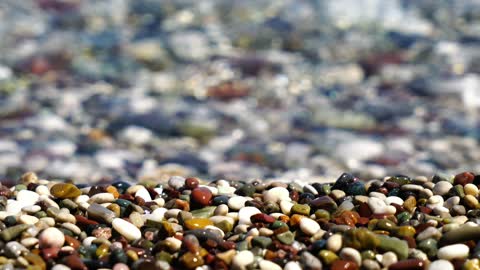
x=243, y=135
x=185, y=223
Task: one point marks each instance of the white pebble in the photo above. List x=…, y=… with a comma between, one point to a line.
x=441, y=265
x=389, y=258
x=292, y=265
x=456, y=251
x=27, y=197
x=351, y=254
x=42, y=190
x=237, y=202
x=245, y=213
x=471, y=189
x=88, y=241
x=14, y=207
x=309, y=226
x=60, y=267
x=175, y=244
x=276, y=194
x=143, y=193
x=103, y=197
x=334, y=243
x=377, y=205
x=268, y=265
x=127, y=229
x=157, y=214
x=377, y=195
x=27, y=219
x=394, y=199
x=451, y=202
x=286, y=206
x=51, y=237
x=242, y=259
x=31, y=209
x=441, y=188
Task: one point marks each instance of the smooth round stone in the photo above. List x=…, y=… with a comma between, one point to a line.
x=411, y=264
x=456, y=251
x=31, y=209
x=338, y=194
x=292, y=265
x=346, y=206
x=286, y=207
x=351, y=254
x=377, y=195
x=471, y=189
x=369, y=264
x=309, y=226
x=429, y=232
x=441, y=265
x=127, y=229
x=246, y=213
x=144, y=194
x=14, y=249
x=377, y=205
x=103, y=197
x=65, y=191
x=60, y=267
x=28, y=242
x=451, y=202
x=27, y=197
x=51, y=237
x=242, y=259
x=471, y=201
x=301, y=209
x=462, y=234
x=389, y=258
x=202, y=195
x=237, y=202
x=286, y=237
x=268, y=265
x=343, y=265
x=276, y=195
x=441, y=188
x=334, y=243
x=157, y=214
x=310, y=261
x=435, y=200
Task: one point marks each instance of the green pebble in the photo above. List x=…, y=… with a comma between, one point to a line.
x=261, y=241
x=246, y=190
x=205, y=212
x=277, y=224
x=399, y=247
x=429, y=246
x=225, y=226
x=403, y=217
x=118, y=256
x=360, y=239
x=69, y=204
x=386, y=224
x=301, y=209
x=326, y=189
x=40, y=214
x=242, y=245
x=123, y=203
x=20, y=187
x=458, y=191
x=10, y=221
x=271, y=207
x=67, y=232
x=286, y=237
x=12, y=232
x=401, y=180
x=368, y=255
x=322, y=214
x=327, y=256
x=164, y=256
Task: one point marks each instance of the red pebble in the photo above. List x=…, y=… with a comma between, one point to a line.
x=74, y=262
x=261, y=217
x=191, y=182
x=463, y=178
x=202, y=196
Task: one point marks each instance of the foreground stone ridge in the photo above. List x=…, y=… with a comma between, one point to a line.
x=186, y=223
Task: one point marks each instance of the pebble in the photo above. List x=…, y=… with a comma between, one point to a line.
x=268, y=265
x=350, y=254
x=246, y=213
x=65, y=191
x=14, y=249
x=242, y=259
x=237, y=202
x=441, y=188
x=456, y=251
x=27, y=197
x=127, y=229
x=441, y=265
x=202, y=196
x=309, y=226
x=334, y=243
x=51, y=237
x=276, y=195
x=377, y=205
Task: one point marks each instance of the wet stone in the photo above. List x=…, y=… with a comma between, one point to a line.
x=65, y=191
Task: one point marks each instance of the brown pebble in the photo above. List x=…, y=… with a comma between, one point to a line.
x=463, y=178
x=343, y=265
x=72, y=242
x=411, y=264
x=75, y=263
x=191, y=182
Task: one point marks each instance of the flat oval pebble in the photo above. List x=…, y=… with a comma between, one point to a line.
x=456, y=251
x=127, y=229
x=65, y=191
x=27, y=197
x=309, y=226
x=242, y=259
x=246, y=213
x=276, y=194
